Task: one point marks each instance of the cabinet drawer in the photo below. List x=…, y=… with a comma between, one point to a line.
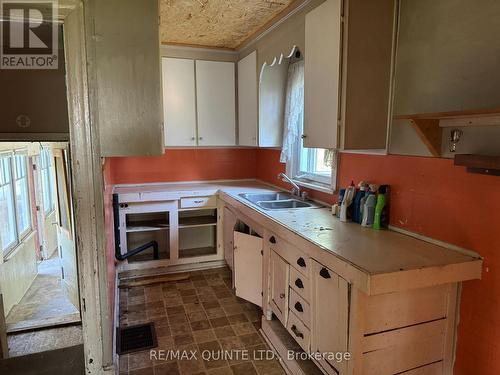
x=300, y=284
x=194, y=202
x=300, y=307
x=296, y=258
x=298, y=330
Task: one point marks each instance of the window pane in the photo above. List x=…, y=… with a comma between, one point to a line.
x=23, y=205
x=47, y=173
x=7, y=215
x=320, y=165
x=22, y=194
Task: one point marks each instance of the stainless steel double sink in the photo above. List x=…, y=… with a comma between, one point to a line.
x=277, y=201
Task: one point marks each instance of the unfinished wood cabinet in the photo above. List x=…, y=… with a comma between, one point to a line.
x=248, y=117
x=179, y=102
x=368, y=48
x=125, y=67
x=347, y=78
x=216, y=103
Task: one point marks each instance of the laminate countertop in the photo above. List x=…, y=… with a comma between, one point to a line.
x=371, y=251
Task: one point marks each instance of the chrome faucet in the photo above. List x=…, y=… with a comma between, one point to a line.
x=296, y=188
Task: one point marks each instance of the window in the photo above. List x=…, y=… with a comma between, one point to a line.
x=15, y=208
x=8, y=230
x=311, y=167
x=47, y=174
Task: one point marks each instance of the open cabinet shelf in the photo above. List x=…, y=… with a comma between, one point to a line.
x=147, y=226
x=197, y=221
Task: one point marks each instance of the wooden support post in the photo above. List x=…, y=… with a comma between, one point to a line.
x=430, y=133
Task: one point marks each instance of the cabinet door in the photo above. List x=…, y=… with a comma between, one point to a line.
x=248, y=267
x=247, y=100
x=330, y=315
x=279, y=286
x=215, y=94
x=179, y=102
x=229, y=222
x=322, y=74
x=127, y=72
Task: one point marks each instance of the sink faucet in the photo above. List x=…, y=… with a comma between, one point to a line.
x=296, y=188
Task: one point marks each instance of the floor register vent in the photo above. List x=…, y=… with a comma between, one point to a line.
x=136, y=338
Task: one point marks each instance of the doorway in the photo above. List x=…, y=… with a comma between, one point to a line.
x=38, y=267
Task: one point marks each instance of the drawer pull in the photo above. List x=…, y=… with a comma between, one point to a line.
x=324, y=273
x=199, y=201
x=296, y=332
x=282, y=295
x=298, y=307
x=299, y=284
x=272, y=239
x=301, y=262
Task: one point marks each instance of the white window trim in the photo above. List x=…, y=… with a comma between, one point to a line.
x=325, y=184
x=51, y=171
x=20, y=236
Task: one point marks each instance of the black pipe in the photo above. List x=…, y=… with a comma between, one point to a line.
x=137, y=250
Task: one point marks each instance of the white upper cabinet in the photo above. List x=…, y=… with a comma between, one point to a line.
x=179, y=102
x=322, y=74
x=248, y=100
x=216, y=103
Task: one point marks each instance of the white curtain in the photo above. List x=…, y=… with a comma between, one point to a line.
x=294, y=110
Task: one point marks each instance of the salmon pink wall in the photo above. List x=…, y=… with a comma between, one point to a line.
x=184, y=165
x=433, y=197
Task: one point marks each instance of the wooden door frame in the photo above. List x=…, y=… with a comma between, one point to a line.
x=88, y=192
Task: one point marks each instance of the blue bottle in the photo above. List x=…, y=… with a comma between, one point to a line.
x=356, y=209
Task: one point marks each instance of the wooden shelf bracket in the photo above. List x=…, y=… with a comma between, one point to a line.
x=430, y=133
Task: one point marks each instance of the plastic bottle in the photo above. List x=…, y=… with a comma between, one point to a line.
x=339, y=201
x=346, y=202
x=369, y=207
x=381, y=208
x=362, y=202
x=356, y=204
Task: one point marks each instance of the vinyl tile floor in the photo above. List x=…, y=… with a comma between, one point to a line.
x=215, y=332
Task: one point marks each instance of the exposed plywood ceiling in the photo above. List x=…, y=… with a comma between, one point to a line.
x=216, y=23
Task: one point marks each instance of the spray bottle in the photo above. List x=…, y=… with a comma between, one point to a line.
x=381, y=219
x=356, y=205
x=347, y=201
x=369, y=207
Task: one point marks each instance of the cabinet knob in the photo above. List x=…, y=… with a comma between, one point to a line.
x=200, y=138
x=301, y=262
x=303, y=136
x=298, y=307
x=299, y=283
x=193, y=138
x=324, y=273
x=296, y=332
x=282, y=295
x=272, y=239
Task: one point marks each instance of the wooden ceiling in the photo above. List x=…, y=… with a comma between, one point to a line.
x=217, y=23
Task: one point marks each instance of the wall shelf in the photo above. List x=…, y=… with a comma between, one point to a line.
x=482, y=164
x=429, y=126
